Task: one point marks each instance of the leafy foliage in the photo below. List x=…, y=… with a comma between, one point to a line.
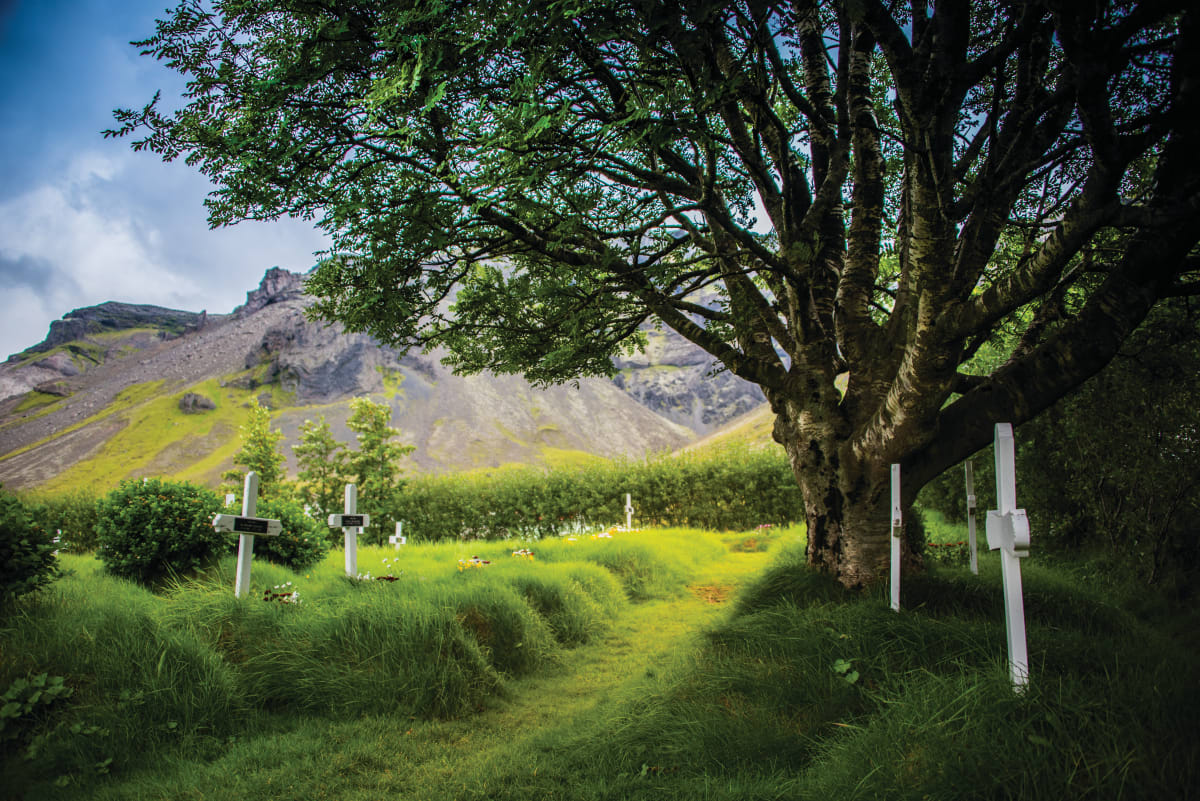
x=260, y=449
x=24, y=701
x=1114, y=466
x=375, y=464
x=734, y=489
x=152, y=528
x=26, y=550
x=303, y=541
x=74, y=514
x=322, y=466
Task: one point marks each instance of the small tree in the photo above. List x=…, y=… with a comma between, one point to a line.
x=260, y=450
x=376, y=462
x=322, y=462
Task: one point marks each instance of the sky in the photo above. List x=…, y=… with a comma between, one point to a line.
x=83, y=219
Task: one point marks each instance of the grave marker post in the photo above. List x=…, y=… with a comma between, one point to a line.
x=351, y=523
x=1008, y=532
x=241, y=584
x=973, y=548
x=398, y=538
x=897, y=530
x=628, y=512
x=246, y=527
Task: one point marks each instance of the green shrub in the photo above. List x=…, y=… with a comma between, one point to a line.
x=149, y=529
x=26, y=550
x=303, y=542
x=72, y=515
x=734, y=489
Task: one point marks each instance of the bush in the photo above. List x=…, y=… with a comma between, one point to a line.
x=733, y=489
x=149, y=529
x=302, y=543
x=26, y=550
x=73, y=514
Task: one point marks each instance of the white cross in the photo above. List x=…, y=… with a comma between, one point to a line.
x=350, y=533
x=246, y=527
x=1008, y=532
x=628, y=512
x=970, y=470
x=897, y=529
x=398, y=538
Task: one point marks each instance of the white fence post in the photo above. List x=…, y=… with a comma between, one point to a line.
x=973, y=548
x=897, y=530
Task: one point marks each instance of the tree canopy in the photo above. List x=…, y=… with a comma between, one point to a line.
x=805, y=190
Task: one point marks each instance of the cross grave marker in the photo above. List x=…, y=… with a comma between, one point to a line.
x=897, y=530
x=351, y=524
x=398, y=538
x=246, y=527
x=628, y=512
x=1008, y=532
x=971, y=544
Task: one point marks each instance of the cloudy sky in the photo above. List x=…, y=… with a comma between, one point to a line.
x=83, y=219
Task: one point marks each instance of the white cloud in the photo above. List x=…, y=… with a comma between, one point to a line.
x=24, y=314
x=122, y=226
x=100, y=251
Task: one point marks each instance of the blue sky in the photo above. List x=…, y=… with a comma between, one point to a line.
x=84, y=220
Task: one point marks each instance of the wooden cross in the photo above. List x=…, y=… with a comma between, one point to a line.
x=897, y=530
x=1008, y=532
x=398, y=538
x=351, y=523
x=246, y=527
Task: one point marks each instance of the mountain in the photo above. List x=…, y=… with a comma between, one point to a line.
x=121, y=390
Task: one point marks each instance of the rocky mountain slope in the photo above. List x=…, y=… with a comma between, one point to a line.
x=121, y=390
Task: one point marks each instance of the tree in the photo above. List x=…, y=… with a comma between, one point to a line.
x=260, y=449
x=376, y=463
x=806, y=190
x=322, y=467
x=1114, y=468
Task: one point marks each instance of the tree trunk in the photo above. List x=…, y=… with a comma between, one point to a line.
x=846, y=502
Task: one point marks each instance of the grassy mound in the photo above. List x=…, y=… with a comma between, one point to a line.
x=190, y=668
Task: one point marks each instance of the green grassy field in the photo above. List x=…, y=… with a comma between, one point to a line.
x=672, y=664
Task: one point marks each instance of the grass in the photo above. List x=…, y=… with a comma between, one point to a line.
x=735, y=674
x=36, y=400
x=129, y=398
x=157, y=437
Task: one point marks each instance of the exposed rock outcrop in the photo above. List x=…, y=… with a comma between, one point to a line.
x=277, y=286
x=195, y=403
x=680, y=381
x=112, y=316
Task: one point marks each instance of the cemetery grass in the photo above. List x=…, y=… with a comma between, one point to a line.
x=735, y=674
